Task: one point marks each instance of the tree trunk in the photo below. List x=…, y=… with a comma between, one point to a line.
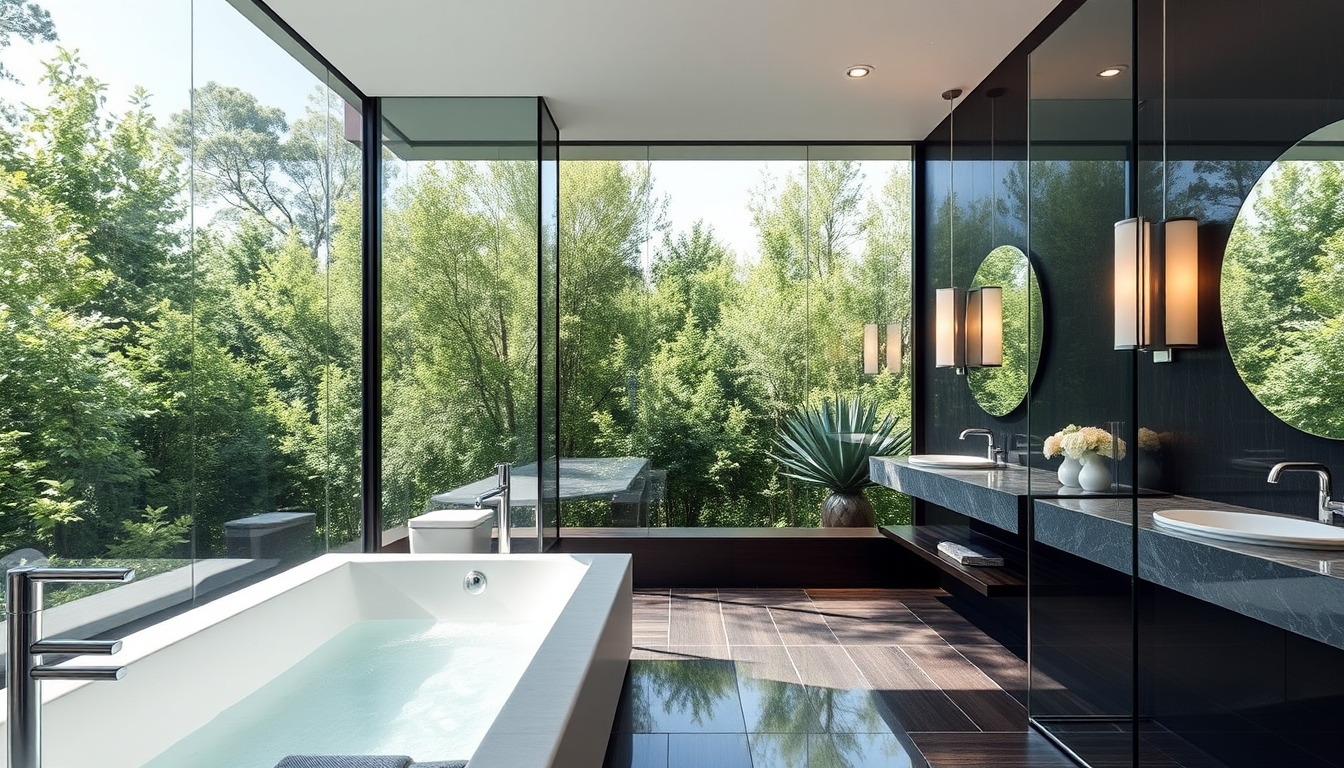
x=847, y=510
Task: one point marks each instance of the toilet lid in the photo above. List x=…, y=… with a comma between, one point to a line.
x=452, y=518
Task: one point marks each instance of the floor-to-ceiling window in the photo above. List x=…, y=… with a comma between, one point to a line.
x=179, y=311
x=707, y=293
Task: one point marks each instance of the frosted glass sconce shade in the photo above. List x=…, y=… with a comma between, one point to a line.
x=870, y=349
x=984, y=327
x=1180, y=255
x=1156, y=284
x=949, y=328
x=894, y=348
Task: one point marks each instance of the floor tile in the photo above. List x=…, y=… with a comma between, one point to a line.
x=772, y=706
x=952, y=626
x=708, y=750
x=695, y=619
x=912, y=699
x=801, y=627
x=764, y=662
x=684, y=696
x=990, y=750
x=749, y=625
x=988, y=705
x=851, y=750
x=1002, y=666
x=860, y=631
x=636, y=750
x=826, y=666
x=766, y=597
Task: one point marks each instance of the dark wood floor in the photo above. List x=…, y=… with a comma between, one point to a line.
x=790, y=677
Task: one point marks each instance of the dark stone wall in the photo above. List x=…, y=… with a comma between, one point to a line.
x=1244, y=80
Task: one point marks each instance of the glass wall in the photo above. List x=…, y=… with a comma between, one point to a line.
x=709, y=293
x=179, y=310
x=468, y=233
x=1081, y=612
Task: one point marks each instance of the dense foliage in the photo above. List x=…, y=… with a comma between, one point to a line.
x=180, y=322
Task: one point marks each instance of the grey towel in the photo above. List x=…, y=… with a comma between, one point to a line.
x=443, y=764
x=344, y=761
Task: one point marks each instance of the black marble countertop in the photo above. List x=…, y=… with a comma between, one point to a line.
x=1300, y=590
x=996, y=496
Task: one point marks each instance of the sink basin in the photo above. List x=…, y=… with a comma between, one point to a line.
x=952, y=461
x=1250, y=528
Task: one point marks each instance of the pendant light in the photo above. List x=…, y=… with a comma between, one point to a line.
x=1157, y=269
x=950, y=302
x=984, y=304
x=968, y=325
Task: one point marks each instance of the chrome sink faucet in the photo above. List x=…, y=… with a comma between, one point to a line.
x=25, y=663
x=993, y=453
x=498, y=497
x=1326, y=508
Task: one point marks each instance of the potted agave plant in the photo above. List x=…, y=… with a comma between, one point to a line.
x=830, y=445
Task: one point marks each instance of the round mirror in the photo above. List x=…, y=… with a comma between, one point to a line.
x=1000, y=390
x=1283, y=286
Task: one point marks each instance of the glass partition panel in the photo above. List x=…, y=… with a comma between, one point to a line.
x=548, y=324
x=180, y=307
x=96, y=304
x=1081, y=409
x=462, y=256
x=708, y=294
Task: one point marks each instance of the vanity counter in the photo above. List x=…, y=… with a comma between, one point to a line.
x=1301, y=590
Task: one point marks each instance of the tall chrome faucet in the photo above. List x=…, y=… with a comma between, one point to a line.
x=24, y=666
x=991, y=453
x=1326, y=508
x=498, y=497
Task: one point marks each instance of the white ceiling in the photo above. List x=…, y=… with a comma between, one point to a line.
x=679, y=70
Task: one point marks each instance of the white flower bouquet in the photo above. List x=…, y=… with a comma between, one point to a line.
x=1052, y=447
x=1149, y=440
x=1091, y=440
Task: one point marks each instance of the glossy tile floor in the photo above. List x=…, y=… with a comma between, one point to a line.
x=765, y=678
x=791, y=678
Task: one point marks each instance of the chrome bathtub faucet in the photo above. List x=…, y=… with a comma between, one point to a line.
x=1326, y=508
x=992, y=453
x=25, y=647
x=498, y=497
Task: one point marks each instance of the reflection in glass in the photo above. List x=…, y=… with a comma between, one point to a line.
x=1001, y=389
x=1283, y=308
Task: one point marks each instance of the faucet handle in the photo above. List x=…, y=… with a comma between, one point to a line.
x=48, y=672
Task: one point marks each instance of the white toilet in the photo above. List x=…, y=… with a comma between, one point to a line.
x=452, y=531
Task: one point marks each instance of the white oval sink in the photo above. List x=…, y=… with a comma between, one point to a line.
x=952, y=461
x=1249, y=528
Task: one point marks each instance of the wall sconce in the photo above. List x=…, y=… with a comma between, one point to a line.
x=968, y=328
x=1157, y=286
x=871, y=351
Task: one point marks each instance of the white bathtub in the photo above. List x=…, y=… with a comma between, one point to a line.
x=574, y=610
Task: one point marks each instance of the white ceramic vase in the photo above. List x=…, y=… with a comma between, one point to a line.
x=1068, y=472
x=1095, y=475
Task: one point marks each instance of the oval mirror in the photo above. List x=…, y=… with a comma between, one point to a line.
x=1283, y=286
x=1000, y=390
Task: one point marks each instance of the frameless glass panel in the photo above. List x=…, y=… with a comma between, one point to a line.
x=461, y=254
x=548, y=323
x=1082, y=406
x=707, y=295
x=96, y=305
x=275, y=356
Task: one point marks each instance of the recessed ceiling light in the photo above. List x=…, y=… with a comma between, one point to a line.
x=859, y=70
x=1112, y=71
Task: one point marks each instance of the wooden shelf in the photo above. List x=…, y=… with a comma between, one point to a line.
x=998, y=581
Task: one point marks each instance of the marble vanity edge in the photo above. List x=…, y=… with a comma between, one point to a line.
x=963, y=491
x=1276, y=587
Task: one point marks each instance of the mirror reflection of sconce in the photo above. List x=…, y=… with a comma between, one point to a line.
x=1157, y=286
x=872, y=351
x=968, y=328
